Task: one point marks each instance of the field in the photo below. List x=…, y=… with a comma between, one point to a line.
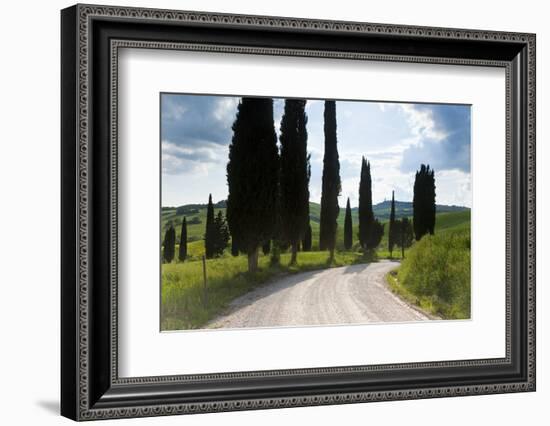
x=184, y=305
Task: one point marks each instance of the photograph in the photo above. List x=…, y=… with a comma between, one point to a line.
x=297, y=212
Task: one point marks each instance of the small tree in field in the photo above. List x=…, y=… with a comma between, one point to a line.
x=182, y=255
x=169, y=244
x=210, y=234
x=348, y=228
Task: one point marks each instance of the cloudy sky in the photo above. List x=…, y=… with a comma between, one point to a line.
x=395, y=138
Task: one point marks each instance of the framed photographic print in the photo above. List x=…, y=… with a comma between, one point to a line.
x=263, y=212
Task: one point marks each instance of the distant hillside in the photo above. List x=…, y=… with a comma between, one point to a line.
x=196, y=214
x=448, y=217
x=382, y=210
x=404, y=208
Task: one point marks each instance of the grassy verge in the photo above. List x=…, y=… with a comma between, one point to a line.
x=435, y=274
x=183, y=304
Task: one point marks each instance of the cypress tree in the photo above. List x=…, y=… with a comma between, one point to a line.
x=210, y=233
x=182, y=255
x=277, y=239
x=376, y=232
x=331, y=184
x=169, y=244
x=424, y=202
x=252, y=177
x=220, y=235
x=366, y=215
x=266, y=248
x=392, y=232
x=348, y=228
x=294, y=174
x=306, y=243
x=404, y=234
x=234, y=248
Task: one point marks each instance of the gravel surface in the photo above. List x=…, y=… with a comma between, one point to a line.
x=346, y=295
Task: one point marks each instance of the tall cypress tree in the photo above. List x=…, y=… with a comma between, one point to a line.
x=234, y=248
x=331, y=184
x=252, y=177
x=169, y=244
x=348, y=228
x=306, y=243
x=210, y=233
x=294, y=174
x=424, y=202
x=182, y=255
x=392, y=231
x=366, y=215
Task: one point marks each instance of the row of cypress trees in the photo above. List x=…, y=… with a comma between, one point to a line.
x=216, y=237
x=400, y=230
x=268, y=189
x=169, y=243
x=370, y=229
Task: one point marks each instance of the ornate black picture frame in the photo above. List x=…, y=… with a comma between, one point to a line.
x=91, y=36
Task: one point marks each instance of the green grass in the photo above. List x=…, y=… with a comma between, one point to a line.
x=435, y=273
x=183, y=304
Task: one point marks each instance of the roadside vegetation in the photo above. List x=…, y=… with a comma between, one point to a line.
x=435, y=274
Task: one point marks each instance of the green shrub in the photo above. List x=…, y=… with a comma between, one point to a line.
x=437, y=271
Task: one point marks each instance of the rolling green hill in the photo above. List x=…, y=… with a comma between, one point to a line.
x=448, y=217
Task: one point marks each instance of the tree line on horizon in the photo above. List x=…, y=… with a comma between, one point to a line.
x=268, y=192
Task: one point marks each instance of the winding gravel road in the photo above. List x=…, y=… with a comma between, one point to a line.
x=345, y=295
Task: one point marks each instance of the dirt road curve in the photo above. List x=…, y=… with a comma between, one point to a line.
x=345, y=295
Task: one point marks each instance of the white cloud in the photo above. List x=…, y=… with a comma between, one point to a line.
x=224, y=109
x=422, y=124
x=184, y=160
